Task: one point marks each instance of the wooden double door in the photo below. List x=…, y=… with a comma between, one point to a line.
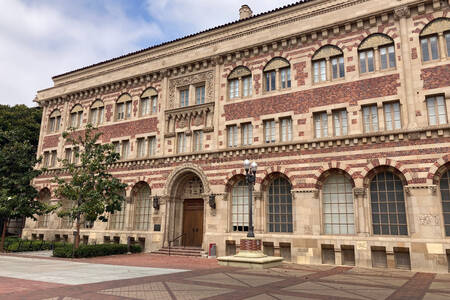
x=193, y=222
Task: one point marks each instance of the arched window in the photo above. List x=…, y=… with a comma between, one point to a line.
x=149, y=102
x=338, y=210
x=279, y=206
x=240, y=83
x=239, y=206
x=277, y=74
x=376, y=52
x=54, y=121
x=76, y=116
x=435, y=39
x=143, y=207
x=444, y=185
x=66, y=222
x=117, y=219
x=44, y=197
x=328, y=64
x=123, y=107
x=96, y=114
x=388, y=204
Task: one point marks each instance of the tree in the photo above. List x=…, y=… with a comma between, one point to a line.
x=17, y=195
x=87, y=186
x=19, y=136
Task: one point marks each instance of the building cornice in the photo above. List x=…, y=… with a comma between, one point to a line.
x=281, y=43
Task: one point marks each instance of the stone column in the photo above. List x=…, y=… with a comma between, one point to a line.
x=442, y=50
x=408, y=88
x=361, y=212
x=258, y=212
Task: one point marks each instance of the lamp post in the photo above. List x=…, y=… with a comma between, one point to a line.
x=250, y=178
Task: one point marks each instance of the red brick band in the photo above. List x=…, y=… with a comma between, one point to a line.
x=250, y=245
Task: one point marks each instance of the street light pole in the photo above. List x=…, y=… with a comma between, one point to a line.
x=250, y=178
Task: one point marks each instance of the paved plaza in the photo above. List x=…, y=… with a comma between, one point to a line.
x=145, y=276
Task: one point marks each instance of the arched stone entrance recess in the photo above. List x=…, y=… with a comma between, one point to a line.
x=186, y=191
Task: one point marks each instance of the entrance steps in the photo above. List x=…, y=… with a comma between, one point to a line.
x=180, y=251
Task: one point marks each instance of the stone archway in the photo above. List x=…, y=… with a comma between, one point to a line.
x=185, y=213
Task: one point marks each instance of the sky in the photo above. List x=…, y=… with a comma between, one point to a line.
x=43, y=38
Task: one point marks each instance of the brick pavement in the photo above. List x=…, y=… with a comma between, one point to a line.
x=208, y=280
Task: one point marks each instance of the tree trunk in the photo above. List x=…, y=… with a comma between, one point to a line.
x=77, y=237
x=5, y=226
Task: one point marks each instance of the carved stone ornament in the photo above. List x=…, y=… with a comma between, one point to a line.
x=359, y=192
x=327, y=51
x=429, y=219
x=239, y=72
x=402, y=12
x=375, y=40
x=276, y=63
x=206, y=77
x=437, y=26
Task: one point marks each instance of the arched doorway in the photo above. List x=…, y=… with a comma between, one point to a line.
x=186, y=210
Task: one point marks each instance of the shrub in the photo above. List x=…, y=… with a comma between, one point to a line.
x=18, y=245
x=94, y=250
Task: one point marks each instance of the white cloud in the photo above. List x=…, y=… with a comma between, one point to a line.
x=39, y=40
x=43, y=38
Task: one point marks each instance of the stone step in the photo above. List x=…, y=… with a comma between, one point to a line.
x=180, y=251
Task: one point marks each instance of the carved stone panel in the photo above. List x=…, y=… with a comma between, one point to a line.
x=206, y=77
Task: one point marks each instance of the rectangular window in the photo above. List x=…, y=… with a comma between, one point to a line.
x=286, y=129
x=184, y=98
x=392, y=115
x=233, y=86
x=152, y=146
x=68, y=155
x=247, y=86
x=232, y=132
x=269, y=131
x=285, y=78
x=141, y=148
x=429, y=47
x=97, y=116
x=340, y=122
x=270, y=81
x=46, y=159
x=437, y=112
x=154, y=103
x=247, y=134
x=73, y=120
x=337, y=64
x=200, y=94
x=116, y=147
x=125, y=149
x=321, y=124
x=120, y=111
x=128, y=109
x=198, y=140
x=387, y=57
x=370, y=118
x=181, y=143
x=366, y=61
x=320, y=70
x=94, y=115
x=53, y=158
x=145, y=106
x=76, y=154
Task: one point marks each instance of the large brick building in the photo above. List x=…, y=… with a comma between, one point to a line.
x=342, y=103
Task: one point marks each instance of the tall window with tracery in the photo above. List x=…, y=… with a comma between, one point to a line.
x=143, y=208
x=239, y=213
x=117, y=219
x=279, y=206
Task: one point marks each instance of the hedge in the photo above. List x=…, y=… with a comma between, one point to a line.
x=18, y=245
x=94, y=250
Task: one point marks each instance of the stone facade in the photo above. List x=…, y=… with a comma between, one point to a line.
x=375, y=80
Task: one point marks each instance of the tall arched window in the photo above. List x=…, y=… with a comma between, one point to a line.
x=96, y=114
x=388, y=204
x=117, y=219
x=143, y=207
x=444, y=185
x=149, y=102
x=66, y=221
x=279, y=206
x=338, y=210
x=328, y=64
x=123, y=107
x=44, y=197
x=277, y=74
x=54, y=121
x=376, y=52
x=239, y=206
x=76, y=116
x=240, y=83
x=435, y=40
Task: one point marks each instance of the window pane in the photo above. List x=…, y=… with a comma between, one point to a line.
x=272, y=80
x=370, y=61
x=362, y=62
x=434, y=47
x=334, y=66
x=316, y=71
x=431, y=107
x=391, y=51
x=323, y=70
x=441, y=110
x=279, y=212
x=339, y=218
x=341, y=67
x=447, y=40
x=425, y=53
x=383, y=58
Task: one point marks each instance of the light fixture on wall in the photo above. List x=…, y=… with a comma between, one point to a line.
x=156, y=202
x=212, y=201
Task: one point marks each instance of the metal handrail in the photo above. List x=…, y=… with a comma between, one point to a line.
x=175, y=240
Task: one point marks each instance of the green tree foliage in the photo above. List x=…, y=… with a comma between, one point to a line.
x=19, y=136
x=88, y=187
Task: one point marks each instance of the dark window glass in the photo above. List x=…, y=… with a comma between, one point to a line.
x=445, y=197
x=388, y=205
x=280, y=206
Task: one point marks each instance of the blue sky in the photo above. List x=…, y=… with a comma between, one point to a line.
x=43, y=38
